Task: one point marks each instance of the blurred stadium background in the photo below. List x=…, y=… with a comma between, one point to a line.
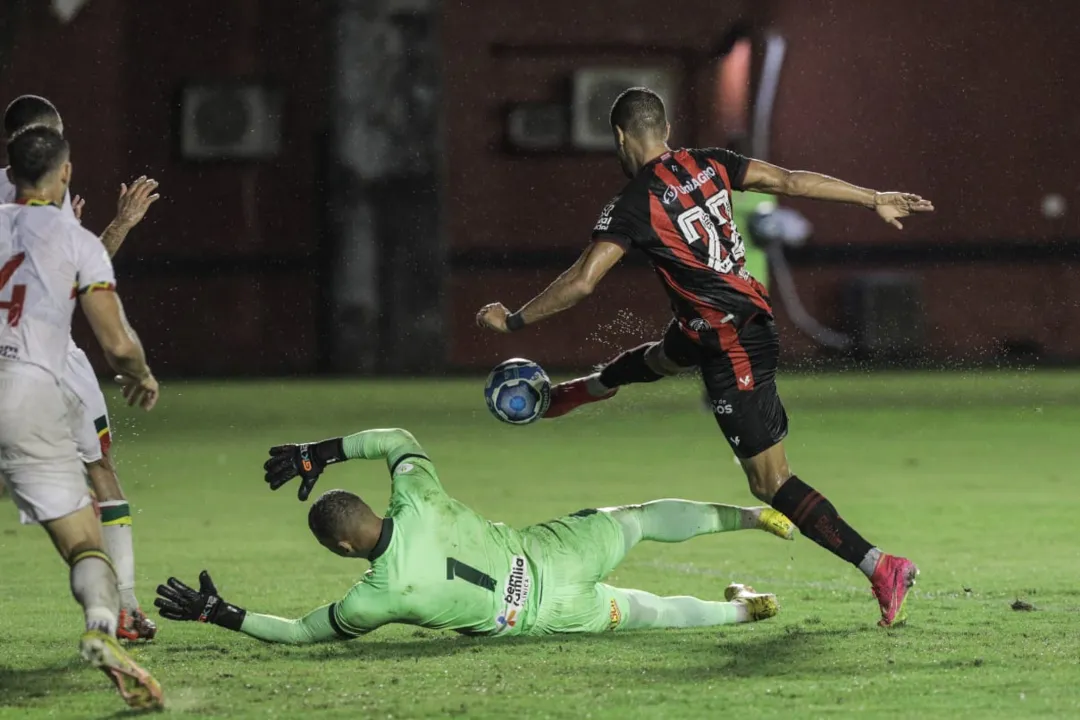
x=346, y=182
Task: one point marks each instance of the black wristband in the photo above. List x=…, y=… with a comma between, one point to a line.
x=231, y=617
x=514, y=321
x=227, y=616
x=330, y=451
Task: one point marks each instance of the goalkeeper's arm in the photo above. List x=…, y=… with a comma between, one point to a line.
x=362, y=610
x=309, y=459
x=317, y=626
x=394, y=444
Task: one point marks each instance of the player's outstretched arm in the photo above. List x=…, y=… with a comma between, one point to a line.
x=568, y=290
x=308, y=460
x=890, y=206
x=177, y=601
x=122, y=347
x=130, y=209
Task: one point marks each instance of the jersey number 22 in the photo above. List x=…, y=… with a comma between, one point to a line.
x=719, y=208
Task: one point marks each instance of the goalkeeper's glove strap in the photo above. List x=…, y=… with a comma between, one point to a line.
x=330, y=451
x=223, y=614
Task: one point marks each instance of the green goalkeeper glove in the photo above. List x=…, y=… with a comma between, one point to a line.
x=306, y=460
x=176, y=601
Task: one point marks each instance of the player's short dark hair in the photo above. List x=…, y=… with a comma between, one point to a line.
x=333, y=512
x=639, y=111
x=34, y=152
x=28, y=110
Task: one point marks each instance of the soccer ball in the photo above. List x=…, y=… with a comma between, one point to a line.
x=518, y=391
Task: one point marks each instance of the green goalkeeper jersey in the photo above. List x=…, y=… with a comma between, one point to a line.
x=437, y=563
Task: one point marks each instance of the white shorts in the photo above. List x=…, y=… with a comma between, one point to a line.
x=91, y=421
x=38, y=457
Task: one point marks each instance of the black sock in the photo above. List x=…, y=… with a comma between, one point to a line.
x=818, y=520
x=629, y=367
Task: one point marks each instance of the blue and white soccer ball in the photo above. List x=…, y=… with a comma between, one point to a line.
x=518, y=391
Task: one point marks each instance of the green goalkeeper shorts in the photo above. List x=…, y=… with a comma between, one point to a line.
x=574, y=554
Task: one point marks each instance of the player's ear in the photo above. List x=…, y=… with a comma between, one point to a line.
x=10, y=175
x=620, y=137
x=667, y=132
x=345, y=548
x=65, y=173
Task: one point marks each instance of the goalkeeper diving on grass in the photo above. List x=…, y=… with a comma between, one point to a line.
x=437, y=564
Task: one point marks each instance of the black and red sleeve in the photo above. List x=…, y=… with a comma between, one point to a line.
x=734, y=164
x=623, y=221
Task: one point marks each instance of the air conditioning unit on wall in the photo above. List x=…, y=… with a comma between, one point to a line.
x=596, y=88
x=229, y=122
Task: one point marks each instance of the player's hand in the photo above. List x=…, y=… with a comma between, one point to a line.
x=893, y=205
x=288, y=461
x=77, y=204
x=134, y=201
x=177, y=601
x=493, y=317
x=140, y=391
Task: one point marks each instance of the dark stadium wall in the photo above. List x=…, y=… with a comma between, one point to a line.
x=967, y=103
x=513, y=221
x=220, y=278
x=970, y=104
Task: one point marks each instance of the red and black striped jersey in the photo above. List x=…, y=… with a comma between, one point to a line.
x=677, y=210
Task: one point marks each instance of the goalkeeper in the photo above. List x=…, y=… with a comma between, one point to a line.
x=437, y=564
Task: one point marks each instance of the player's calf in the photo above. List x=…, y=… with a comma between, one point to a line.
x=116, y=531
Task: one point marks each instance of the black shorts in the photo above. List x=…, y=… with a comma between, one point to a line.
x=738, y=366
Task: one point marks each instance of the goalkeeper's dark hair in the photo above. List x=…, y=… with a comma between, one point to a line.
x=639, y=111
x=34, y=152
x=331, y=515
x=29, y=110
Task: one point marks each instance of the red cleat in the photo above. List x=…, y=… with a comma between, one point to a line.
x=572, y=394
x=133, y=625
x=893, y=577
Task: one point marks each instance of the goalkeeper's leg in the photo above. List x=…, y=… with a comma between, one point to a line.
x=77, y=536
x=642, y=610
x=673, y=521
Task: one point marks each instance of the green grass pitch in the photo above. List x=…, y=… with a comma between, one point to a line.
x=971, y=475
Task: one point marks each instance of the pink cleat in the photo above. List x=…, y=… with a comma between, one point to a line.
x=572, y=394
x=893, y=577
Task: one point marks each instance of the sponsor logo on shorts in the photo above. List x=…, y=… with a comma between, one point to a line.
x=745, y=380
x=700, y=325
x=722, y=407
x=515, y=594
x=9, y=352
x=734, y=440
x=615, y=615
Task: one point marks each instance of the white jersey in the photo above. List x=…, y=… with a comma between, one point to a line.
x=46, y=260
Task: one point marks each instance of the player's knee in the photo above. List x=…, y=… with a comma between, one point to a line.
x=765, y=478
